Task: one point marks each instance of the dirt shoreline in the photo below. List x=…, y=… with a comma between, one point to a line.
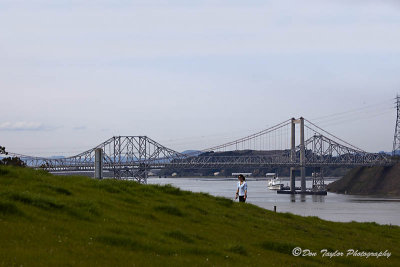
x=383, y=181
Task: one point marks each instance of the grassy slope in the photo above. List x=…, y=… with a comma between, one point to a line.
x=369, y=181
x=48, y=220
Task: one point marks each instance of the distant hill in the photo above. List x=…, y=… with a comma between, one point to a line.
x=369, y=181
x=187, y=152
x=243, y=153
x=397, y=152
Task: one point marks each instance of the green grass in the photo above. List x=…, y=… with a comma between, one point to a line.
x=71, y=220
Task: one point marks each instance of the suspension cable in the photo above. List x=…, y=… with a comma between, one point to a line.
x=248, y=138
x=354, y=147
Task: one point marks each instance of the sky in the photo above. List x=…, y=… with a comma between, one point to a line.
x=194, y=74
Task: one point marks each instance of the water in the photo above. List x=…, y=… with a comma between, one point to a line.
x=333, y=207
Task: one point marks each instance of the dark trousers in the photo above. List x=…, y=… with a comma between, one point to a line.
x=242, y=199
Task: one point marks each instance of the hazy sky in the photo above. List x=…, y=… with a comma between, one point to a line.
x=192, y=74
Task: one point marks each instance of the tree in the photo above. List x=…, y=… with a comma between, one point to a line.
x=3, y=150
x=12, y=161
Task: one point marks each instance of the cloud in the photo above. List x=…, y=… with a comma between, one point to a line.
x=22, y=126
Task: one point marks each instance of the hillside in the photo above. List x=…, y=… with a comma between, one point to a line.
x=369, y=181
x=71, y=220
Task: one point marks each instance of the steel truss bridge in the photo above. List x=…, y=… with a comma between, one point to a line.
x=135, y=156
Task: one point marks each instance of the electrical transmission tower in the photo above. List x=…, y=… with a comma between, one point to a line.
x=396, y=141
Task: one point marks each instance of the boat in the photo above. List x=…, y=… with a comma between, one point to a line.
x=274, y=183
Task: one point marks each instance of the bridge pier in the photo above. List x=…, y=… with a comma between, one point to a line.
x=98, y=163
x=303, y=179
x=292, y=179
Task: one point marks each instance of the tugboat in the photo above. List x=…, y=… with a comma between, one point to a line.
x=274, y=183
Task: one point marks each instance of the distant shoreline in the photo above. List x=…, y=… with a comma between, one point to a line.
x=377, y=181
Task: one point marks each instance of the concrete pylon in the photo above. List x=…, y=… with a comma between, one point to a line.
x=98, y=163
x=302, y=156
x=293, y=155
x=292, y=179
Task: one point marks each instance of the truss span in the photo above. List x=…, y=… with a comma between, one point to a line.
x=134, y=156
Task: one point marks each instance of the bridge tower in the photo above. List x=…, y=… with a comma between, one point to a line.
x=293, y=155
x=396, y=139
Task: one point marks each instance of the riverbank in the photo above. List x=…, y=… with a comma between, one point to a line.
x=57, y=220
x=333, y=207
x=384, y=181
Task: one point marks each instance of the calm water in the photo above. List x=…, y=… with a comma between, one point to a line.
x=333, y=207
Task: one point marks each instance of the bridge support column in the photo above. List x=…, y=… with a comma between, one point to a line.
x=303, y=179
x=293, y=141
x=293, y=155
x=292, y=179
x=302, y=156
x=98, y=163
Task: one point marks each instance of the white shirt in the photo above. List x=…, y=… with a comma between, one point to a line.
x=242, y=188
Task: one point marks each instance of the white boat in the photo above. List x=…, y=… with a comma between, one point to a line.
x=274, y=183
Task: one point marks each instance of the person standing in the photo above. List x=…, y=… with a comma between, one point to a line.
x=241, y=191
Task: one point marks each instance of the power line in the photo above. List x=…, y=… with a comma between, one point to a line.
x=353, y=110
x=353, y=119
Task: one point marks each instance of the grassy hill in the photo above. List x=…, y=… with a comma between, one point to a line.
x=56, y=220
x=369, y=181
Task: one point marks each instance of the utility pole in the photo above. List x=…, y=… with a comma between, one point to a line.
x=396, y=140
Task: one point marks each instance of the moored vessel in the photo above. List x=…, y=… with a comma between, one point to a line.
x=274, y=183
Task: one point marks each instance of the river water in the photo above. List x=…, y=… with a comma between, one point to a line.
x=333, y=207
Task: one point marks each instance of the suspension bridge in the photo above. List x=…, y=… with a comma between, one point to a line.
x=282, y=145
